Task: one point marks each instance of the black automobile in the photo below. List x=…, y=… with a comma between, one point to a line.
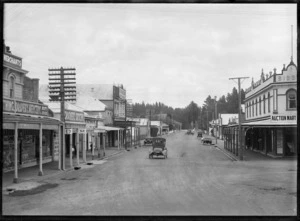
x=158, y=148
x=148, y=141
x=190, y=132
x=206, y=140
x=199, y=134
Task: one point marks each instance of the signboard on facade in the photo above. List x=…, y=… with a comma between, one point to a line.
x=11, y=59
x=125, y=124
x=74, y=116
x=81, y=131
x=129, y=108
x=122, y=93
x=292, y=118
x=119, y=93
x=24, y=107
x=68, y=131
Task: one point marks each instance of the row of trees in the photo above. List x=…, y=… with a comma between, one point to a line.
x=193, y=115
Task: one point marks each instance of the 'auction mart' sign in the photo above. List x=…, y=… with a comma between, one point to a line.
x=283, y=117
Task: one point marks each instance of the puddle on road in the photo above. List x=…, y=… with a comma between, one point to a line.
x=183, y=154
x=272, y=188
x=33, y=191
x=74, y=178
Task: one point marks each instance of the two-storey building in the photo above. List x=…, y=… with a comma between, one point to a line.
x=31, y=136
x=271, y=113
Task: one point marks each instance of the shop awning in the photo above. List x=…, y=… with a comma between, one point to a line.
x=29, y=121
x=270, y=123
x=99, y=129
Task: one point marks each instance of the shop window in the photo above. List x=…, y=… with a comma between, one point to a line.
x=11, y=87
x=291, y=98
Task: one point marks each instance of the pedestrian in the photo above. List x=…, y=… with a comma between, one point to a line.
x=74, y=151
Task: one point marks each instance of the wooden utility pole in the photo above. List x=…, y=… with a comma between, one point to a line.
x=58, y=79
x=241, y=148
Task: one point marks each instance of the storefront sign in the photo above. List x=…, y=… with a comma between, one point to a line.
x=81, y=131
x=122, y=93
x=12, y=60
x=69, y=131
x=125, y=124
x=284, y=118
x=24, y=107
x=74, y=116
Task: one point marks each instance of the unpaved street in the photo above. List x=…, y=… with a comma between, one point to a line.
x=195, y=179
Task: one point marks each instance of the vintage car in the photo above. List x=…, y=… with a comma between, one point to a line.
x=199, y=134
x=147, y=141
x=158, y=148
x=206, y=140
x=190, y=132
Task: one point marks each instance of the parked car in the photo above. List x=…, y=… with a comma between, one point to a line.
x=206, y=140
x=199, y=134
x=190, y=132
x=158, y=148
x=148, y=141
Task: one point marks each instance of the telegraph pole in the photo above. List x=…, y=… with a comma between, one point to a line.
x=241, y=152
x=58, y=78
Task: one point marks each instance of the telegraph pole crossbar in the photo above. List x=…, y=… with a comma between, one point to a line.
x=241, y=152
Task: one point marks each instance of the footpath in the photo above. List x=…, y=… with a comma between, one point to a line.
x=248, y=155
x=28, y=178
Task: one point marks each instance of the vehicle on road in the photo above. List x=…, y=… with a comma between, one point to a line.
x=148, y=141
x=206, y=140
x=158, y=148
x=190, y=132
x=199, y=134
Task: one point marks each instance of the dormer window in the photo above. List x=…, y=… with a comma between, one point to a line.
x=291, y=97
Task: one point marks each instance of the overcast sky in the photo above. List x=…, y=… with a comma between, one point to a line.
x=170, y=53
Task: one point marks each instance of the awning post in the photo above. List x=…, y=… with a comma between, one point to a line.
x=15, y=180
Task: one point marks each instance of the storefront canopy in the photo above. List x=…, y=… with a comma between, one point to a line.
x=29, y=121
x=270, y=123
x=101, y=129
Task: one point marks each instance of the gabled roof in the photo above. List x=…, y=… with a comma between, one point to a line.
x=99, y=91
x=89, y=103
x=55, y=107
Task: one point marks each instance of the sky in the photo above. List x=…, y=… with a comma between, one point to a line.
x=169, y=53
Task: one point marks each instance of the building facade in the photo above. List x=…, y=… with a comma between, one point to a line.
x=30, y=133
x=271, y=113
x=270, y=125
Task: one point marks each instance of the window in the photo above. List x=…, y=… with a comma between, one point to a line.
x=255, y=107
x=249, y=105
x=259, y=106
x=275, y=100
x=269, y=98
x=252, y=108
x=11, y=87
x=264, y=103
x=291, y=98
